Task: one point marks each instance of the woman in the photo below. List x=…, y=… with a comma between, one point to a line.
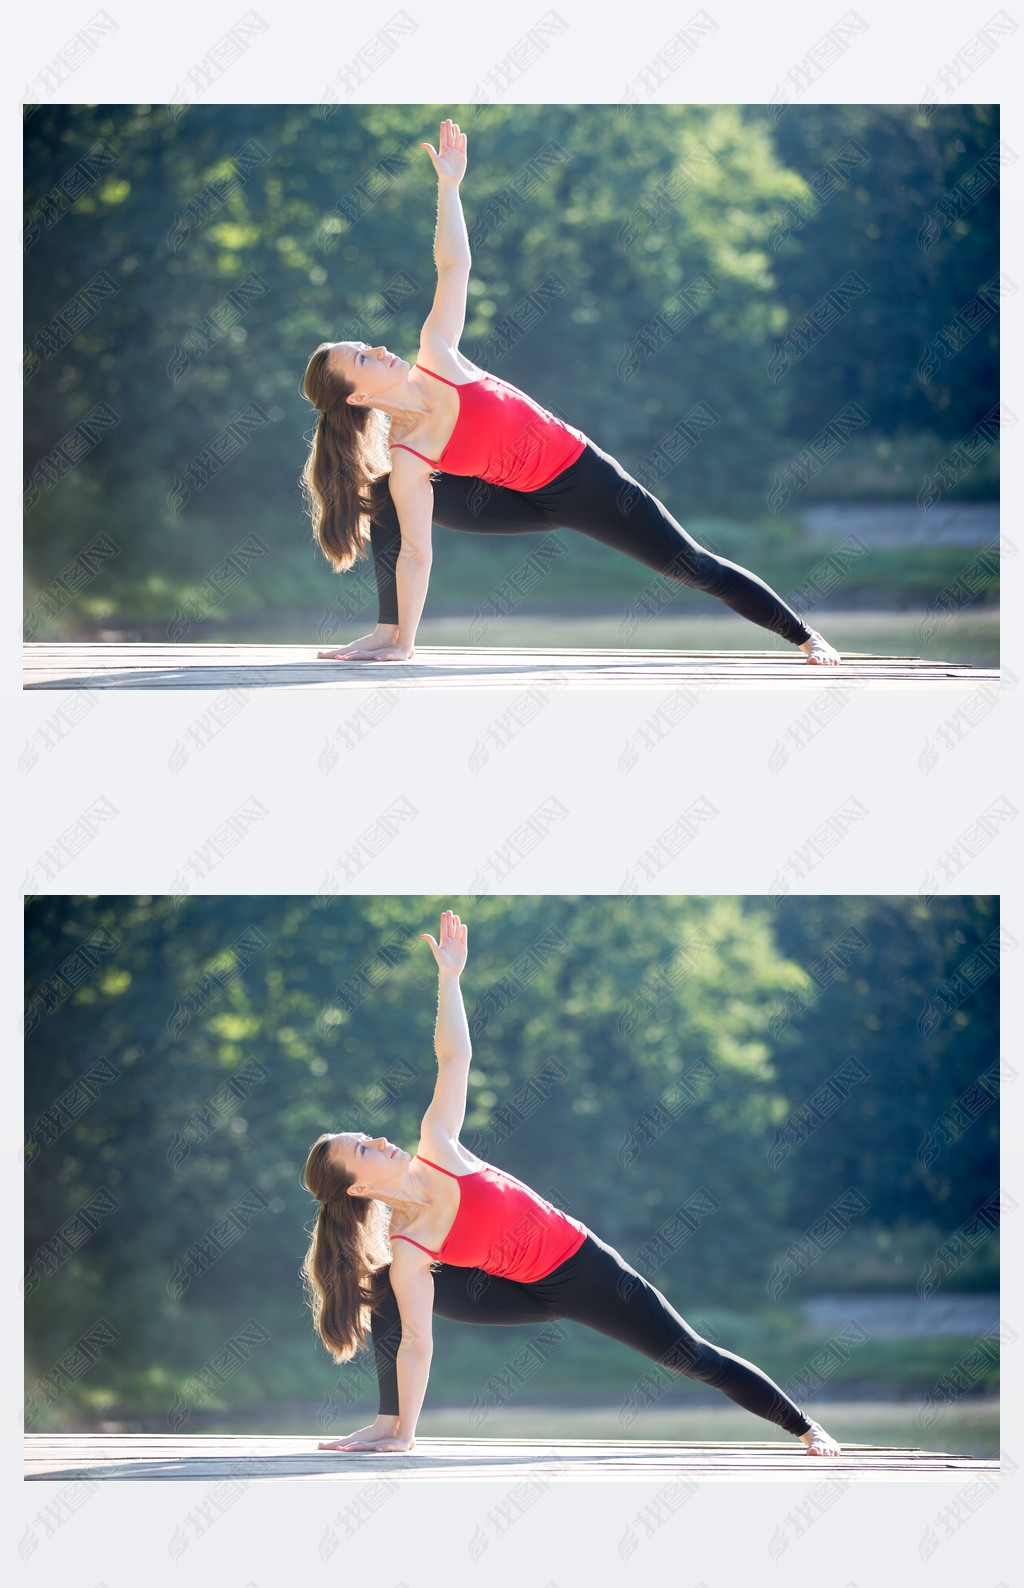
x=506, y=1256
x=470, y=452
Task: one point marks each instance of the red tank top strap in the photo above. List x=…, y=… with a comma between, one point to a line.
x=430, y=372
x=394, y=445
x=415, y=1243
x=420, y=1159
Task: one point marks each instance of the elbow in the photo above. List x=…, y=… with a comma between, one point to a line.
x=413, y=556
x=418, y=1349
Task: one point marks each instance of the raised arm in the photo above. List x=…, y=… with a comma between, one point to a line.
x=443, y=325
x=443, y=1119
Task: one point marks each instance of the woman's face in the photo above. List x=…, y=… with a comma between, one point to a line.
x=373, y=371
x=373, y=1161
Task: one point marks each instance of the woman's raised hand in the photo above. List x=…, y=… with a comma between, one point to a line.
x=451, y=952
x=449, y=158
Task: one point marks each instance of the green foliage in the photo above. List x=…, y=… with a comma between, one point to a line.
x=590, y=230
x=631, y=1057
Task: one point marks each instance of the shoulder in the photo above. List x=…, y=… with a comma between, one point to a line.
x=445, y=360
x=441, y=1151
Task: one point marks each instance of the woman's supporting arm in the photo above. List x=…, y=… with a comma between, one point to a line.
x=413, y=1285
x=452, y=1044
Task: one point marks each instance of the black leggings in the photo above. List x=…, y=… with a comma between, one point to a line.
x=596, y=496
x=596, y=1287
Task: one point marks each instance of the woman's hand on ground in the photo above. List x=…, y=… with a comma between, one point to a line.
x=383, y=653
x=449, y=158
x=452, y=951
x=363, y=1438
x=384, y=635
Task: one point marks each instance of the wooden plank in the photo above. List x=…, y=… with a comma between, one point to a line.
x=90, y=665
x=213, y=1458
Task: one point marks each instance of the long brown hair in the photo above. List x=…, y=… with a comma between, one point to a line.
x=348, y=1247
x=348, y=456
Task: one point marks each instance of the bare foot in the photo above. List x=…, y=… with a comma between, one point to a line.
x=819, y=652
x=819, y=1443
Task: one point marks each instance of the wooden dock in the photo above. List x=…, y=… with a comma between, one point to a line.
x=214, y=1457
x=223, y=667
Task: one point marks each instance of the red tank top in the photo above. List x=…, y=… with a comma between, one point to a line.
x=504, y=1228
x=504, y=437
